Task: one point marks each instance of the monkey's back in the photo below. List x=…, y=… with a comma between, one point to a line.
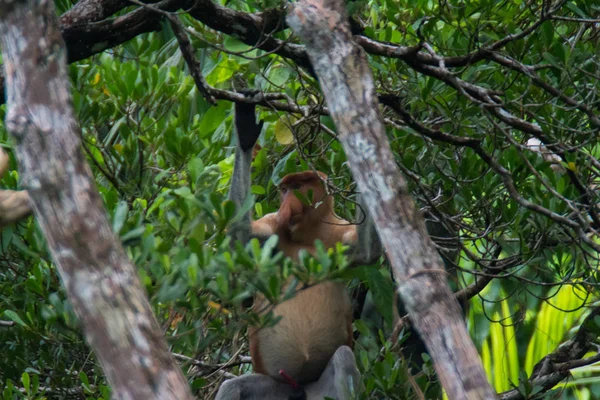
x=314, y=324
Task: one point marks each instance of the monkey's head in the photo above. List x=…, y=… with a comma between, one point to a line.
x=303, y=200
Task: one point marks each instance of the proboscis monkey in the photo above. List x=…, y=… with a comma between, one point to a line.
x=317, y=321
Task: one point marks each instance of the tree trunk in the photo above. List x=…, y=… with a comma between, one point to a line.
x=348, y=86
x=101, y=282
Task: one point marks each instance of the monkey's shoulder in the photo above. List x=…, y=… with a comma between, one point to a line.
x=341, y=231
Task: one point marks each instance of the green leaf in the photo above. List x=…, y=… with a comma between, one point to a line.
x=306, y=200
x=13, y=316
x=26, y=382
x=383, y=292
x=195, y=168
x=222, y=72
x=257, y=189
x=273, y=286
x=212, y=118
x=283, y=133
x=572, y=7
x=234, y=45
x=268, y=248
x=84, y=381
x=558, y=51
x=120, y=216
x=547, y=33
x=279, y=75
x=133, y=234
x=428, y=86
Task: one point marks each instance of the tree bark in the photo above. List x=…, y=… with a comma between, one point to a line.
x=101, y=282
x=348, y=86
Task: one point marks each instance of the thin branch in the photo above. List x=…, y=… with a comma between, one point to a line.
x=539, y=82
x=186, y=50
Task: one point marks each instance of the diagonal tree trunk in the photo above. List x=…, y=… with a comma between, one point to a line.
x=348, y=86
x=100, y=280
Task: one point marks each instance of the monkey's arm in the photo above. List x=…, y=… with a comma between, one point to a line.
x=247, y=131
x=265, y=226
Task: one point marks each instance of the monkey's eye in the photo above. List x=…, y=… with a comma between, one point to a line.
x=283, y=190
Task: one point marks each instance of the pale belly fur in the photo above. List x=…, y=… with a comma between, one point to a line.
x=307, y=342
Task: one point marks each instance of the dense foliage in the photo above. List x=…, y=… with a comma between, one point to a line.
x=489, y=77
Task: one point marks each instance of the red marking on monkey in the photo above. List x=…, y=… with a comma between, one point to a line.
x=289, y=379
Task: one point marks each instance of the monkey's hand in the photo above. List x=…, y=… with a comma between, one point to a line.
x=246, y=126
x=14, y=205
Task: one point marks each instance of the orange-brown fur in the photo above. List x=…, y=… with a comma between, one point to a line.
x=317, y=320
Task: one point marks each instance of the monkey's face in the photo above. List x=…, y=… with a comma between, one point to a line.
x=302, y=199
